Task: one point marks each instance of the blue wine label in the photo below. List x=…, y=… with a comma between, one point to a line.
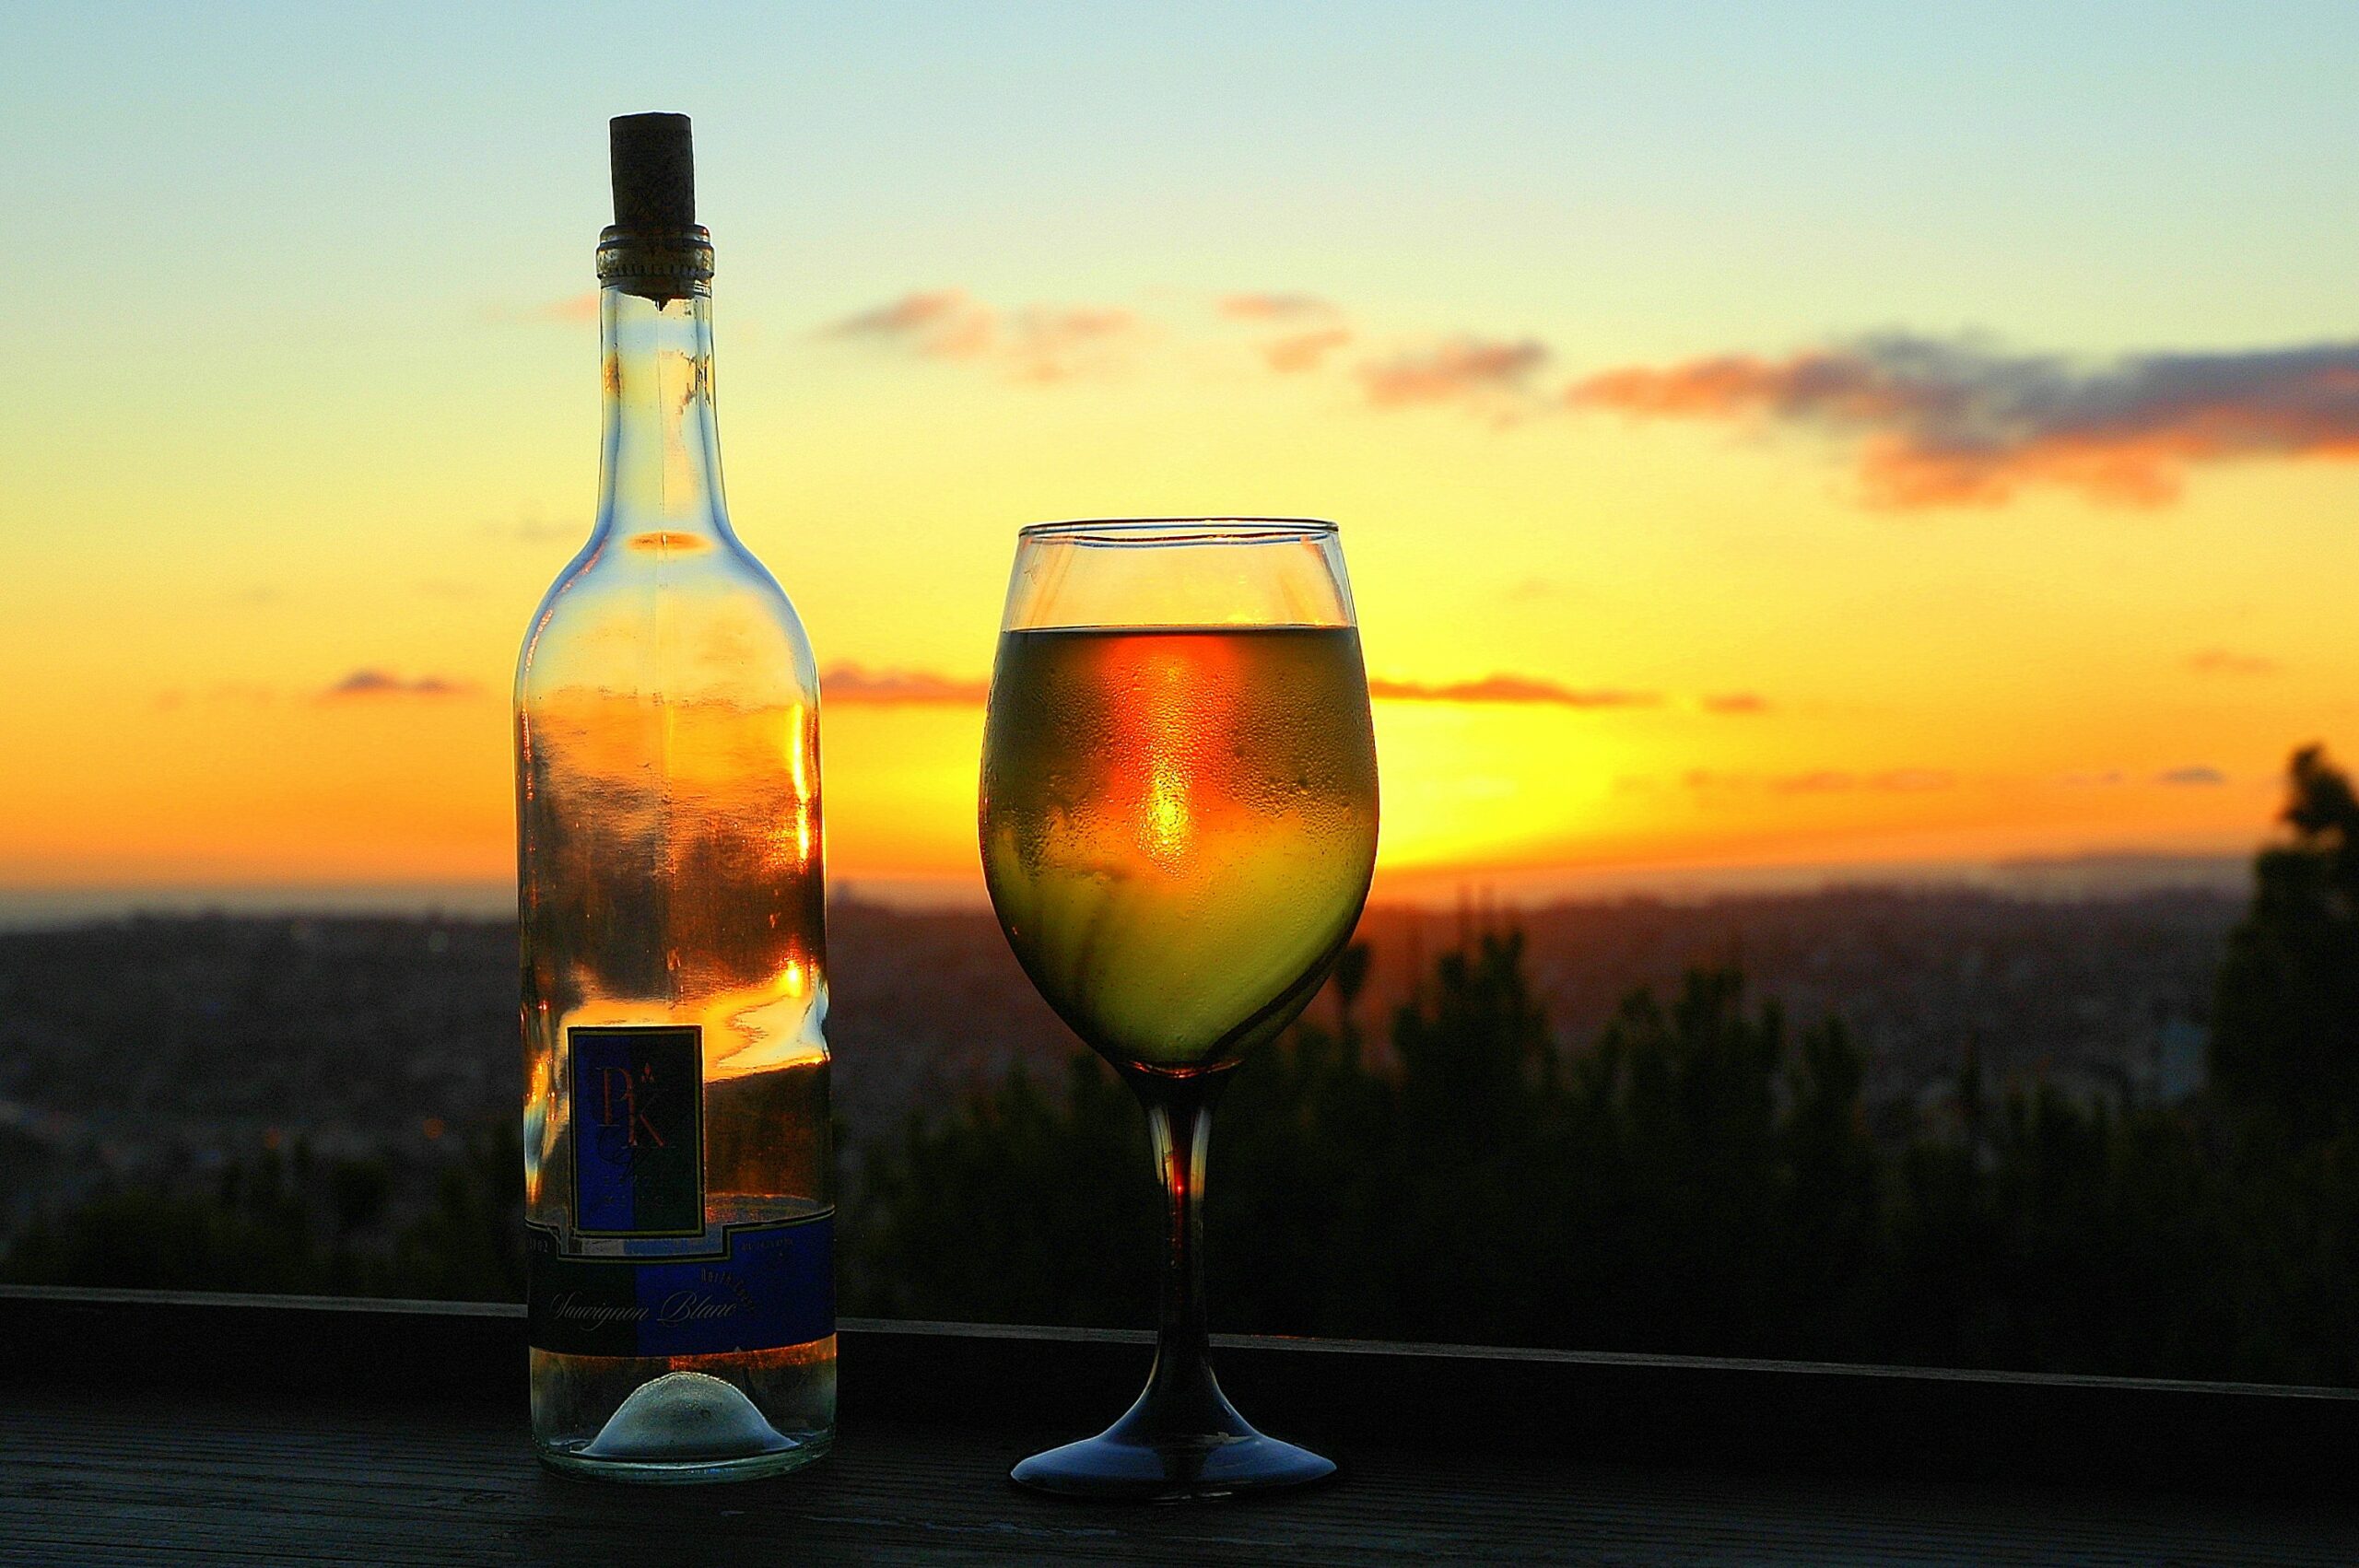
x=635, y=1097
x=637, y=1109
x=769, y=1285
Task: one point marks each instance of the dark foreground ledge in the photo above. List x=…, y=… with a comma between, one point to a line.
x=148, y=1426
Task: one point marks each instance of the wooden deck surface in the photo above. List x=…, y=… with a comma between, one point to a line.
x=115, y=1476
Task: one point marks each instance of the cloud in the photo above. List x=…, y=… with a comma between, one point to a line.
x=945, y=324
x=2197, y=776
x=1275, y=308
x=1736, y=702
x=383, y=684
x=574, y=310
x=1927, y=421
x=1509, y=689
x=1819, y=781
x=1055, y=345
x=1460, y=369
x=852, y=683
x=1040, y=343
x=1945, y=423
x=2220, y=662
x=1298, y=352
x=1827, y=781
x=1909, y=780
x=1311, y=329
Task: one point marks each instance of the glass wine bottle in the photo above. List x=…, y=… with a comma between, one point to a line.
x=677, y=1172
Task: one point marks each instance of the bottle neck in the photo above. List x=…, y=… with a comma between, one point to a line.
x=660, y=468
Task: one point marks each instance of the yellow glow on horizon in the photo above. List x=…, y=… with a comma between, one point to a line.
x=2049, y=677
x=235, y=789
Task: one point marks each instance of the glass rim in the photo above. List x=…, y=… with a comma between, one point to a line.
x=1142, y=532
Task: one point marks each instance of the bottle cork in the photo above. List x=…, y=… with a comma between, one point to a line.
x=655, y=173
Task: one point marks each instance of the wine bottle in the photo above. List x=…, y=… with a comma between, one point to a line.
x=678, y=1182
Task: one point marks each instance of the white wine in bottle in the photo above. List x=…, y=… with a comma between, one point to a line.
x=678, y=1182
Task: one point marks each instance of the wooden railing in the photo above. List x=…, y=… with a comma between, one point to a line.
x=1770, y=1416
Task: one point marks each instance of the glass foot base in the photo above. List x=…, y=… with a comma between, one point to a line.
x=1114, y=1466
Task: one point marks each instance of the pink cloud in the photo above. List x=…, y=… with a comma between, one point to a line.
x=1463, y=369
x=1039, y=344
x=943, y=324
x=1276, y=307
x=1736, y=702
x=2220, y=662
x=1937, y=423
x=1057, y=344
x=853, y=684
x=1303, y=351
x=383, y=684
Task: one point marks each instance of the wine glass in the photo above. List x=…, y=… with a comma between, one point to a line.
x=1178, y=823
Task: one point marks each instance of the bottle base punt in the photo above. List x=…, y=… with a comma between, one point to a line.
x=803, y=1451
x=685, y=1420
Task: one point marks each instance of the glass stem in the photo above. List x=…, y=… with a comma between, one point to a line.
x=1182, y=1393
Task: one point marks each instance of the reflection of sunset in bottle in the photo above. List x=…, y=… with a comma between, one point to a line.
x=1178, y=826
x=674, y=877
x=796, y=840
x=539, y=1082
x=710, y=860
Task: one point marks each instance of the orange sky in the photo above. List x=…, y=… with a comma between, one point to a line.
x=1597, y=643
x=1670, y=549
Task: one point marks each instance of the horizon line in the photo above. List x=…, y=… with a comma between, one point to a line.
x=2090, y=874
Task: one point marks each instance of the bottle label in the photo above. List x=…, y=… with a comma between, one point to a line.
x=635, y=1095
x=769, y=1285
x=638, y=1129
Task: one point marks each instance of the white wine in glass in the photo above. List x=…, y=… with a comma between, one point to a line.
x=1179, y=820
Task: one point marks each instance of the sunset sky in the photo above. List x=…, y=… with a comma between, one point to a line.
x=1794, y=437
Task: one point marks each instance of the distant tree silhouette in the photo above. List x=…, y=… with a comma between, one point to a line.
x=1690, y=1183
x=1016, y=1199
x=2285, y=1033
x=1727, y=1185
x=1699, y=1178
x=294, y=1223
x=469, y=1243
x=253, y=1235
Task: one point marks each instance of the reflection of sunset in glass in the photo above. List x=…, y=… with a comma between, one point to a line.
x=1173, y=716
x=1178, y=826
x=1703, y=512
